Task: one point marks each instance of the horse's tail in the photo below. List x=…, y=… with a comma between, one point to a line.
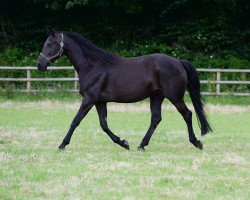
x=193, y=88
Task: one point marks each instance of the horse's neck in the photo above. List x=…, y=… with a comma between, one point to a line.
x=75, y=55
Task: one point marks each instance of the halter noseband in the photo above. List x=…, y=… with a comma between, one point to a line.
x=60, y=52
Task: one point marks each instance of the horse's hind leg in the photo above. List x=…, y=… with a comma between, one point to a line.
x=102, y=112
x=155, y=107
x=187, y=115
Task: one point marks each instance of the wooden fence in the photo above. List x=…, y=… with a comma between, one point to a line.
x=28, y=79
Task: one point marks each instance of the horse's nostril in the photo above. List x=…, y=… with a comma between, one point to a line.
x=38, y=65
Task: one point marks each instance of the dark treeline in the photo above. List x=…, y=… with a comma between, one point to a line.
x=182, y=28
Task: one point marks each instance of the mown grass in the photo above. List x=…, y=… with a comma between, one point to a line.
x=92, y=167
x=69, y=97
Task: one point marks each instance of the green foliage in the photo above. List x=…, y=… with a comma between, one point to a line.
x=211, y=34
x=192, y=24
x=17, y=57
x=144, y=49
x=70, y=4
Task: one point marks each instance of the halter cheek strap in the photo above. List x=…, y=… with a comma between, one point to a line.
x=59, y=53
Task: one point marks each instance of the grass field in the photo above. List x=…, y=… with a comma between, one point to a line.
x=92, y=167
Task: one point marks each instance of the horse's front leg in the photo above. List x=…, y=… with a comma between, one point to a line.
x=102, y=112
x=82, y=112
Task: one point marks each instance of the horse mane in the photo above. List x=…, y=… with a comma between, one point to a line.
x=92, y=51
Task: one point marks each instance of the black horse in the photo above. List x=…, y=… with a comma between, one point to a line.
x=105, y=77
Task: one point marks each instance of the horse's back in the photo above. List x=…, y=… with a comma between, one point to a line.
x=160, y=66
x=157, y=61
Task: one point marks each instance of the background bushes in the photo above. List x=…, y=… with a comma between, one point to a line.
x=216, y=29
x=211, y=34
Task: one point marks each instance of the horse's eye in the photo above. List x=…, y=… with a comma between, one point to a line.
x=50, y=44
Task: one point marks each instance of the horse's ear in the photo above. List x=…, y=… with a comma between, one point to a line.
x=50, y=31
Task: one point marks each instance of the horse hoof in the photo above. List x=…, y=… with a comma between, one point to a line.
x=125, y=144
x=140, y=148
x=61, y=147
x=198, y=144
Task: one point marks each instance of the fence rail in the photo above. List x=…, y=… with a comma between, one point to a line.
x=218, y=82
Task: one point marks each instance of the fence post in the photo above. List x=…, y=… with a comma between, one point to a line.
x=218, y=83
x=28, y=80
x=75, y=82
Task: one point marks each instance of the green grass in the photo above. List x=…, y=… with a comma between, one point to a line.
x=69, y=97
x=92, y=167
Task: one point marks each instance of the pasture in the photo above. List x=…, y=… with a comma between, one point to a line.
x=93, y=167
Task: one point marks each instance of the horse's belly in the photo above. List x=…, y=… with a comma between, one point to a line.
x=131, y=93
x=129, y=97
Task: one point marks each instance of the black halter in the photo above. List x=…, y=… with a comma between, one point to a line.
x=60, y=52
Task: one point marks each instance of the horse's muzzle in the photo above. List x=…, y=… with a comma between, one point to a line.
x=41, y=68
